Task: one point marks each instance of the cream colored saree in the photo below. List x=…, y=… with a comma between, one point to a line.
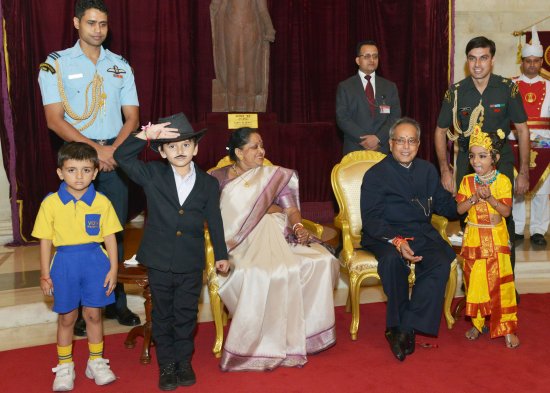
x=280, y=294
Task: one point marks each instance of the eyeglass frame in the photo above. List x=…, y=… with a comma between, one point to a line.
x=402, y=141
x=368, y=56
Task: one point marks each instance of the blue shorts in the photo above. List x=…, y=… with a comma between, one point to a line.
x=78, y=273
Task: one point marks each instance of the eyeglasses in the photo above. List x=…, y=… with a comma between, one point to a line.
x=368, y=56
x=402, y=141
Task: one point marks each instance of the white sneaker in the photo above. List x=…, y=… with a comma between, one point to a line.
x=64, y=377
x=99, y=370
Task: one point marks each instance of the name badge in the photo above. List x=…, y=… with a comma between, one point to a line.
x=76, y=76
x=384, y=109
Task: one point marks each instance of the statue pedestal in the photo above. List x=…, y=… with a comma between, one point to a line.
x=241, y=102
x=212, y=145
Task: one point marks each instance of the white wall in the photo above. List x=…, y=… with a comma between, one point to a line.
x=496, y=19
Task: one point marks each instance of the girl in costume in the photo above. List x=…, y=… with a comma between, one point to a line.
x=487, y=197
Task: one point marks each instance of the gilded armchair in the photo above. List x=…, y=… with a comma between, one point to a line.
x=346, y=179
x=218, y=313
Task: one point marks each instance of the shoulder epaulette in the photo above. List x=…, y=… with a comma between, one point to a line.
x=449, y=92
x=515, y=90
x=54, y=56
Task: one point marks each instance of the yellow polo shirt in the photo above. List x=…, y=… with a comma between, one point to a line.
x=68, y=221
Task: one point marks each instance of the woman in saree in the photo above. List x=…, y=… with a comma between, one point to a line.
x=280, y=290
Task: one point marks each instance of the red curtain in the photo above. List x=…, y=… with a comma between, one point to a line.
x=168, y=44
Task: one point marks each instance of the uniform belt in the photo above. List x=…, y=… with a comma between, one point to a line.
x=77, y=247
x=104, y=142
x=539, y=123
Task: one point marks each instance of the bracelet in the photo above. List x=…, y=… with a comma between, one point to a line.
x=144, y=129
x=471, y=200
x=399, y=240
x=299, y=225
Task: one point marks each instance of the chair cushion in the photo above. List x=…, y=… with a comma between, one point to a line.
x=362, y=260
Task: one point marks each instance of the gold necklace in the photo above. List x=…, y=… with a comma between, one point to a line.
x=234, y=167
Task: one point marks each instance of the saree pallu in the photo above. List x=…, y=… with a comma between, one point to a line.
x=280, y=295
x=488, y=274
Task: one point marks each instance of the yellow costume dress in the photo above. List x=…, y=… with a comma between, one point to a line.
x=488, y=274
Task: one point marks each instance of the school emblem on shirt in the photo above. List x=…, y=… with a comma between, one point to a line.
x=117, y=72
x=92, y=224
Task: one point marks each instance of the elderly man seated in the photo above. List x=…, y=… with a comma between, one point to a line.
x=398, y=197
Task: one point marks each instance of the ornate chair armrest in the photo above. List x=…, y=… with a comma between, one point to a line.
x=313, y=227
x=440, y=224
x=347, y=244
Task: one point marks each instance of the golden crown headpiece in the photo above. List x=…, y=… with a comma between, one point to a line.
x=483, y=139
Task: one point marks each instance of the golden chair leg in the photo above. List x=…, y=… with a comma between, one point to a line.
x=354, y=288
x=348, y=302
x=449, y=295
x=217, y=314
x=224, y=316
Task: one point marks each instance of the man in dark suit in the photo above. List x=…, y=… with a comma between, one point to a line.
x=398, y=197
x=180, y=199
x=366, y=104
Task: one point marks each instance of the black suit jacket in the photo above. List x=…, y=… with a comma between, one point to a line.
x=173, y=238
x=398, y=201
x=353, y=114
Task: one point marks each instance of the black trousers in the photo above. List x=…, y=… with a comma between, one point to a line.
x=422, y=311
x=114, y=185
x=175, y=299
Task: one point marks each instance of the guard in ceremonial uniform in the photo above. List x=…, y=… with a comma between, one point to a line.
x=490, y=101
x=85, y=91
x=535, y=91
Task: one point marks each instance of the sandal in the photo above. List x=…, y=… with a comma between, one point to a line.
x=511, y=341
x=472, y=334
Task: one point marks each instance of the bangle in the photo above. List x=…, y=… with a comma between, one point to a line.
x=297, y=225
x=471, y=200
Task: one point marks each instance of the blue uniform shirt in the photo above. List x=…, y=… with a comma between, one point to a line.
x=77, y=71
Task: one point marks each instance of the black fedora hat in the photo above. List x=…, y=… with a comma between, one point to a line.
x=179, y=121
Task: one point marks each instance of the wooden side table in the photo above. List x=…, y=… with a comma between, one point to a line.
x=137, y=274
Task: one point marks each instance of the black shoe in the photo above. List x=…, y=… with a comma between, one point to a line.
x=408, y=342
x=110, y=311
x=124, y=317
x=167, y=378
x=185, y=374
x=518, y=236
x=396, y=339
x=538, y=239
x=80, y=328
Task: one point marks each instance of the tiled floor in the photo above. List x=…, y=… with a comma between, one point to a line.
x=26, y=318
